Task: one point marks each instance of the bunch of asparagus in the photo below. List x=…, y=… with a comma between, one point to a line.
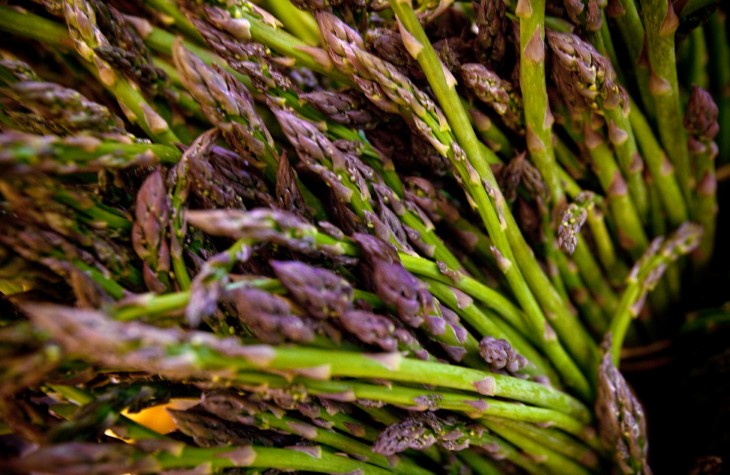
x=354, y=236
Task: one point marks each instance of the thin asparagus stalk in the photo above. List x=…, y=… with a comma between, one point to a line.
x=490, y=89
x=719, y=49
x=568, y=159
x=698, y=74
x=64, y=111
x=700, y=120
x=612, y=265
x=52, y=154
x=489, y=133
x=81, y=19
x=631, y=233
x=571, y=241
x=580, y=296
x=626, y=15
x=557, y=441
x=79, y=456
x=178, y=189
x=28, y=25
x=552, y=461
x=645, y=275
x=662, y=171
x=610, y=49
x=601, y=291
x=149, y=232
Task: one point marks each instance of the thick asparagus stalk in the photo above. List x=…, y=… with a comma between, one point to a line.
x=660, y=23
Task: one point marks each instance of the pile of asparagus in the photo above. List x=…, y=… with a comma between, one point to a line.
x=348, y=236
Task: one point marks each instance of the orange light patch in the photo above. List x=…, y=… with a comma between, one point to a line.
x=157, y=418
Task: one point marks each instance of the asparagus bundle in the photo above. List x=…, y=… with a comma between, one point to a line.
x=352, y=237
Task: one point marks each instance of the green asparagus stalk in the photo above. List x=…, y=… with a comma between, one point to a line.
x=660, y=23
x=538, y=117
x=662, y=171
x=299, y=22
x=717, y=43
x=550, y=459
x=79, y=154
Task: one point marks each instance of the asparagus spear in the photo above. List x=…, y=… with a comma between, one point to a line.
x=621, y=419
x=538, y=117
x=87, y=37
x=23, y=152
x=149, y=232
x=660, y=23
x=700, y=120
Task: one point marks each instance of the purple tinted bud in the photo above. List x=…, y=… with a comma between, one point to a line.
x=500, y=355
x=270, y=317
x=409, y=434
x=570, y=225
x=393, y=283
x=421, y=431
x=700, y=119
x=370, y=328
x=621, y=421
x=149, y=231
x=320, y=292
x=342, y=108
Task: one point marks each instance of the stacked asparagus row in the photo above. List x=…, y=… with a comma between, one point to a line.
x=361, y=237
